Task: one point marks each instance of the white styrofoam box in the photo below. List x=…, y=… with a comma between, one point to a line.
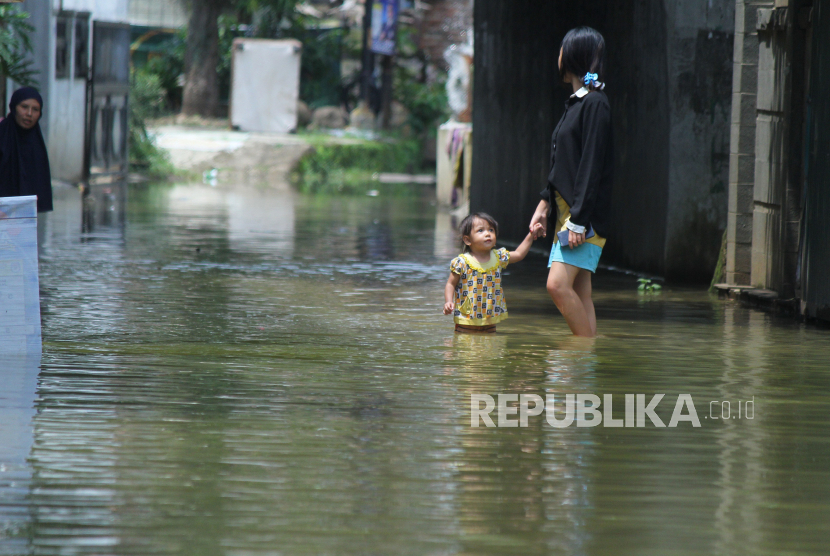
x=265, y=85
x=19, y=291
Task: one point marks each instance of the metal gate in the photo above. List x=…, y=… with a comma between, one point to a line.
x=108, y=121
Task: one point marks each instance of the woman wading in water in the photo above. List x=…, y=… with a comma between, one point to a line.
x=579, y=182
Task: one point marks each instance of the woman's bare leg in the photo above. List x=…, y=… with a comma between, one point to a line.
x=582, y=287
x=561, y=289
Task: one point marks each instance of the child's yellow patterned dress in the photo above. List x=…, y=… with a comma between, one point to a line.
x=479, y=298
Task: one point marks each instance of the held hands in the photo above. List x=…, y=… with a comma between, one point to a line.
x=449, y=307
x=539, y=224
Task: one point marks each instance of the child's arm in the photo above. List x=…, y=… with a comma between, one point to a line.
x=521, y=251
x=449, y=292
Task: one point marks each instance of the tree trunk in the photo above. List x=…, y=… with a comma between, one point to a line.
x=201, y=89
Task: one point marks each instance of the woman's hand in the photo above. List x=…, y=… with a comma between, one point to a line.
x=575, y=239
x=539, y=222
x=449, y=307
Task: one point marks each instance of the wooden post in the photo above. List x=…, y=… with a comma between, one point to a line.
x=386, y=92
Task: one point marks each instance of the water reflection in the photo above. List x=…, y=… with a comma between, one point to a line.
x=251, y=373
x=103, y=214
x=17, y=408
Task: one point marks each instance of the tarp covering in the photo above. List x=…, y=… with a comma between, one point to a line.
x=19, y=291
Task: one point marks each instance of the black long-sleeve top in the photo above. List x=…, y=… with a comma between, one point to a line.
x=582, y=160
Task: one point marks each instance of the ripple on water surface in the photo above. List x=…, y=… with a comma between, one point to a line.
x=244, y=373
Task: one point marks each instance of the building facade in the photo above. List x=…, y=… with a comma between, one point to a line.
x=64, y=46
x=779, y=186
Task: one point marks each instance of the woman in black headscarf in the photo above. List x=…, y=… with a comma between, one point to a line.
x=24, y=163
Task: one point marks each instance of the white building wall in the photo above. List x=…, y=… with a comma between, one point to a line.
x=102, y=10
x=157, y=13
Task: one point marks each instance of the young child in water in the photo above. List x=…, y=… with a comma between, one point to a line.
x=473, y=294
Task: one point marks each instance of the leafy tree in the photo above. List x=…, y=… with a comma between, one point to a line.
x=14, y=45
x=202, y=56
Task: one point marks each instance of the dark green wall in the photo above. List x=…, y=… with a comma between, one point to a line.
x=816, y=254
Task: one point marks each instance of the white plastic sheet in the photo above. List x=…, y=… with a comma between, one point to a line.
x=266, y=85
x=19, y=290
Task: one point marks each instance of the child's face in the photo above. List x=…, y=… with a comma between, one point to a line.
x=482, y=237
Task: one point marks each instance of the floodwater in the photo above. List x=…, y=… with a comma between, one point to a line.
x=249, y=373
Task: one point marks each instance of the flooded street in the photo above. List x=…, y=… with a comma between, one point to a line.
x=253, y=373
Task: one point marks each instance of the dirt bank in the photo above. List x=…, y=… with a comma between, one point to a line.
x=232, y=157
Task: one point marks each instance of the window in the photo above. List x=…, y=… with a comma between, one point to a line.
x=82, y=46
x=62, y=48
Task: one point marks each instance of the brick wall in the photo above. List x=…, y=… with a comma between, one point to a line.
x=446, y=22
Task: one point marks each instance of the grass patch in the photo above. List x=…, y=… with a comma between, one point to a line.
x=348, y=168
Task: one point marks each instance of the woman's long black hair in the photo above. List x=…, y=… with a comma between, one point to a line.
x=583, y=51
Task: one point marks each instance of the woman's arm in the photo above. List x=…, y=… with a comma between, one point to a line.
x=449, y=292
x=521, y=251
x=539, y=222
x=596, y=138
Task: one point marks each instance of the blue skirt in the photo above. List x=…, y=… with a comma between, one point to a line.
x=585, y=256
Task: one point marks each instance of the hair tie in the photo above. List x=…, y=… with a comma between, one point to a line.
x=591, y=79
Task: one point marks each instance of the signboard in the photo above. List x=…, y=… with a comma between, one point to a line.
x=19, y=291
x=385, y=26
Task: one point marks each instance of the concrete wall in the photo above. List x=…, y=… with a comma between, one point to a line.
x=67, y=128
x=668, y=80
x=742, y=143
x=699, y=56
x=444, y=23
x=766, y=161
x=102, y=10
x=770, y=175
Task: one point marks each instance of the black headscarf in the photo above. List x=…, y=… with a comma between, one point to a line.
x=24, y=162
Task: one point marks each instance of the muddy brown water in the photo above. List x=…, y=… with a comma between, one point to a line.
x=245, y=373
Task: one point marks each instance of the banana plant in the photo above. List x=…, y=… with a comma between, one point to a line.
x=15, y=44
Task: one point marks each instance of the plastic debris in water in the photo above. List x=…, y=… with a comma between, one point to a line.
x=211, y=177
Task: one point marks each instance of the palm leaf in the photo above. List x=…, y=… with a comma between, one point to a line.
x=15, y=44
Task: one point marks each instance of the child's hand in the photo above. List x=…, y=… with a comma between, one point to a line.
x=449, y=307
x=538, y=231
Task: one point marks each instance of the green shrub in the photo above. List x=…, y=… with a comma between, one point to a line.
x=168, y=67
x=425, y=100
x=147, y=100
x=349, y=169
